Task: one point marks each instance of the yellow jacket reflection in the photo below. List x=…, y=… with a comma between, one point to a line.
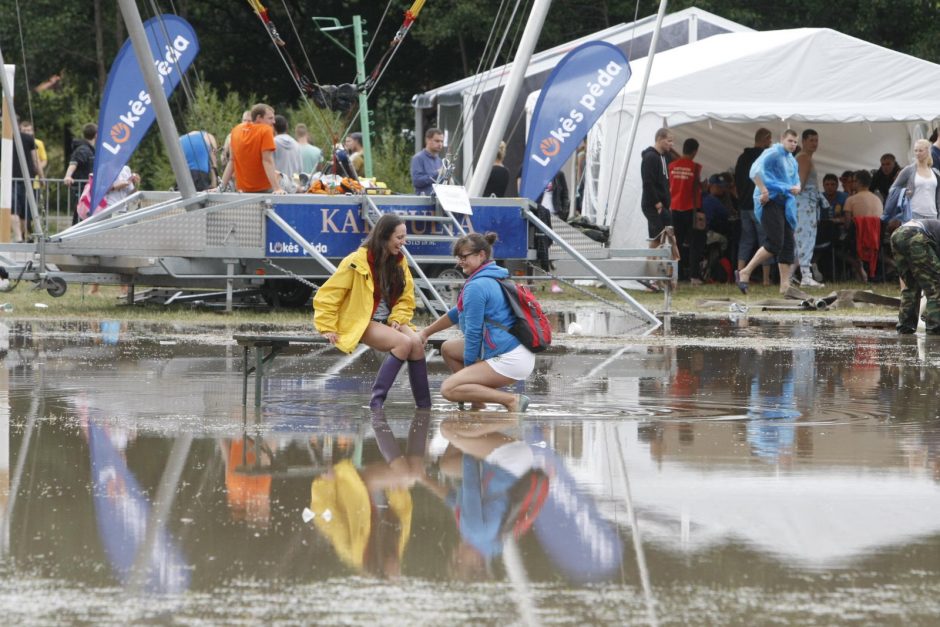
x=350, y=518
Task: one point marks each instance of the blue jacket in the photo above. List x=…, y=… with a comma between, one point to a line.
x=481, y=504
x=779, y=172
x=483, y=304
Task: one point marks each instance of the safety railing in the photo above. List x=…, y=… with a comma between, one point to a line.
x=56, y=202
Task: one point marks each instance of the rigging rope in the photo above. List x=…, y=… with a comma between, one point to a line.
x=279, y=46
x=300, y=42
x=325, y=122
x=184, y=78
x=375, y=33
x=410, y=16
x=480, y=78
x=29, y=101
x=334, y=97
x=324, y=98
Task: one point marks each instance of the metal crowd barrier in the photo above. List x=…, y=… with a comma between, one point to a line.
x=56, y=202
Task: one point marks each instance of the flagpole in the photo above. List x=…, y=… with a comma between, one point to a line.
x=618, y=192
x=520, y=64
x=171, y=141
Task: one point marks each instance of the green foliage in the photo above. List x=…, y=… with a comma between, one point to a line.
x=239, y=65
x=53, y=111
x=391, y=154
x=214, y=113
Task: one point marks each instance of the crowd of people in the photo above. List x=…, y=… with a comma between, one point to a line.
x=260, y=155
x=769, y=214
x=772, y=210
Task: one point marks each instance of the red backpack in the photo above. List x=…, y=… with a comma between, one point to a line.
x=531, y=327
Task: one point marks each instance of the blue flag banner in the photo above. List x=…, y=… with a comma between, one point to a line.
x=123, y=513
x=126, y=109
x=579, y=541
x=581, y=86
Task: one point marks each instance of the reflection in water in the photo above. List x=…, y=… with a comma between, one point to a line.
x=366, y=512
x=746, y=472
x=772, y=407
x=136, y=543
x=248, y=481
x=500, y=493
x=110, y=331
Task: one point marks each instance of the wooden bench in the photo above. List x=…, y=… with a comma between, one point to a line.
x=267, y=347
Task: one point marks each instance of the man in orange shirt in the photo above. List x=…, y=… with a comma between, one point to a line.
x=253, y=154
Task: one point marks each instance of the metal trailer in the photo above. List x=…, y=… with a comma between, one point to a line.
x=286, y=245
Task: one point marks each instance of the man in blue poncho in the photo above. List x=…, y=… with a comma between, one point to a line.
x=776, y=183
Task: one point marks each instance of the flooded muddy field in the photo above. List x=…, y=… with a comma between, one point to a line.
x=726, y=471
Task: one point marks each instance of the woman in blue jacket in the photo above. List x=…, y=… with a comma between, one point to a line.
x=488, y=357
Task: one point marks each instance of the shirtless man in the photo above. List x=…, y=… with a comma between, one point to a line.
x=867, y=234
x=863, y=202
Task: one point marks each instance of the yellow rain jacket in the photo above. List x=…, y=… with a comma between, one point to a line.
x=343, y=305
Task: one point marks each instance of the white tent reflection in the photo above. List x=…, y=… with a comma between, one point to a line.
x=824, y=515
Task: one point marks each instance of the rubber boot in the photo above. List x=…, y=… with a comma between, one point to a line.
x=418, y=376
x=384, y=437
x=418, y=433
x=384, y=380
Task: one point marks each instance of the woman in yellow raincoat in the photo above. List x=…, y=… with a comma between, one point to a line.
x=370, y=299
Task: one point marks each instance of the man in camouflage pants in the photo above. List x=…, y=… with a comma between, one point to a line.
x=916, y=247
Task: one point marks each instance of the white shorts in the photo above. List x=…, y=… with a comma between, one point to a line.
x=517, y=364
x=516, y=458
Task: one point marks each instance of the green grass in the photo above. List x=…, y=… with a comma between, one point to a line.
x=78, y=303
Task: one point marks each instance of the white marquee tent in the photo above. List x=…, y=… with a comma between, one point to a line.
x=464, y=109
x=864, y=100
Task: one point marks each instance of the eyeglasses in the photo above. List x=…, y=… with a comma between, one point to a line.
x=464, y=256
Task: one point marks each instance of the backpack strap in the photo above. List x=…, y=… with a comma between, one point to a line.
x=497, y=324
x=490, y=320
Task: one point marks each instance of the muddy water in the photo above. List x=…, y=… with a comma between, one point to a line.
x=725, y=472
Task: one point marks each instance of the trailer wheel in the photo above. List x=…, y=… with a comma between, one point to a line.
x=287, y=294
x=56, y=287
x=449, y=291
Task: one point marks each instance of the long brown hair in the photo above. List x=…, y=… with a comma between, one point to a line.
x=388, y=273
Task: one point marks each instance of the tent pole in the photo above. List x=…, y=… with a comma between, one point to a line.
x=618, y=192
x=530, y=37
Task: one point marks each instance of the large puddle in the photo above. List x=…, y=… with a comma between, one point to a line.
x=724, y=472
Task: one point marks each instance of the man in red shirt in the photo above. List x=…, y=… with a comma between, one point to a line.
x=252, y=150
x=685, y=187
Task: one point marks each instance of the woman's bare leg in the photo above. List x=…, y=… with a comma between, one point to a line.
x=452, y=352
x=479, y=383
x=401, y=342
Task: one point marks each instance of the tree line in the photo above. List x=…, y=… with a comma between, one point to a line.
x=65, y=47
